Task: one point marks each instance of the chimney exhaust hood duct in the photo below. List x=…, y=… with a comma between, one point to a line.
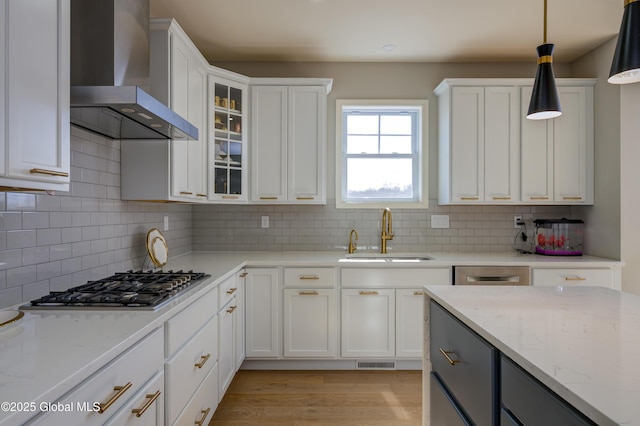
x=110, y=73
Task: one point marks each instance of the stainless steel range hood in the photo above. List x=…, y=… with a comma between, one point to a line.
x=110, y=73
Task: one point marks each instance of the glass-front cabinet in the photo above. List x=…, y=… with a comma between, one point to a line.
x=227, y=140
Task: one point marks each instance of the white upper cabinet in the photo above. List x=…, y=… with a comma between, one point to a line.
x=489, y=153
x=34, y=95
x=480, y=155
x=288, y=140
x=557, y=154
x=228, y=129
x=171, y=170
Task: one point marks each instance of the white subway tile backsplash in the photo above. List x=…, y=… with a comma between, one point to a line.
x=10, y=221
x=20, y=276
x=35, y=255
x=20, y=202
x=21, y=239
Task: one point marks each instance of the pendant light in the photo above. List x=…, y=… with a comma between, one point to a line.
x=625, y=67
x=544, y=103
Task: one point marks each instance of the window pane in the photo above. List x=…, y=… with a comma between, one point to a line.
x=395, y=144
x=362, y=144
x=395, y=124
x=362, y=124
x=379, y=178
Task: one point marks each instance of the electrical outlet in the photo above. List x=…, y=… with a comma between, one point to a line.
x=517, y=219
x=265, y=221
x=439, y=221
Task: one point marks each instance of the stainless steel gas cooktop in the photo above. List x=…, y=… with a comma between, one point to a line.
x=137, y=290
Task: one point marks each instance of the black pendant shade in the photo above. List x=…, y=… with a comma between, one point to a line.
x=545, y=102
x=625, y=67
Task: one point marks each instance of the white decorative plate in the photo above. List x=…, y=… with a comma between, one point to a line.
x=157, y=247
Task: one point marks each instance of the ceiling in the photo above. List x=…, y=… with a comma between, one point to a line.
x=420, y=30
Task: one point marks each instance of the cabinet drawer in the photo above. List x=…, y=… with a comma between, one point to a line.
x=145, y=408
x=189, y=367
x=532, y=403
x=128, y=373
x=444, y=409
x=572, y=277
x=309, y=277
x=200, y=408
x=183, y=325
x=226, y=290
x=469, y=371
x=394, y=277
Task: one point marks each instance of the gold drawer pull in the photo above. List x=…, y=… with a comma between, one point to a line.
x=231, y=309
x=501, y=198
x=244, y=274
x=574, y=279
x=204, y=359
x=268, y=198
x=572, y=198
x=151, y=399
x=230, y=197
x=201, y=195
x=186, y=193
x=308, y=293
x=120, y=391
x=418, y=293
x=469, y=198
x=49, y=172
x=539, y=198
x=205, y=413
x=308, y=277
x=368, y=293
x=305, y=198
x=231, y=290
x=446, y=355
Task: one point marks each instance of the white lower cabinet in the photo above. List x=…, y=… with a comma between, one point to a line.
x=310, y=317
x=201, y=407
x=146, y=408
x=571, y=277
x=191, y=351
x=188, y=368
x=368, y=323
x=226, y=344
x=409, y=323
x=262, y=302
x=113, y=387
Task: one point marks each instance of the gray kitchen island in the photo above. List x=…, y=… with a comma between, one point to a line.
x=529, y=352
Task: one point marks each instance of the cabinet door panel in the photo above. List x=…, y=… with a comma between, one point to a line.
x=269, y=143
x=409, y=322
x=262, y=319
x=444, y=409
x=501, y=144
x=368, y=323
x=570, y=146
x=38, y=118
x=226, y=346
x=306, y=143
x=467, y=144
x=537, y=156
x=310, y=323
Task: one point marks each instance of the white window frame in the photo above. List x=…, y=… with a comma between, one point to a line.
x=423, y=149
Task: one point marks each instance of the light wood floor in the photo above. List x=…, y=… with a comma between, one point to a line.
x=295, y=398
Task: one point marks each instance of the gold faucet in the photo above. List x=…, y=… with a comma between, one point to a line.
x=387, y=229
x=352, y=245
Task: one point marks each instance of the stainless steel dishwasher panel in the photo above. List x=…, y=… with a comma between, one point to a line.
x=491, y=275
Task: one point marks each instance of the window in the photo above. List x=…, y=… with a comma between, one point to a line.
x=381, y=151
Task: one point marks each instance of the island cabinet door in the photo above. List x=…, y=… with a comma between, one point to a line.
x=444, y=409
x=526, y=401
x=466, y=365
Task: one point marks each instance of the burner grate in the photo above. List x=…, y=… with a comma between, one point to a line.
x=131, y=289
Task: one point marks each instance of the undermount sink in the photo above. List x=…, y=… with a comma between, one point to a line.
x=390, y=257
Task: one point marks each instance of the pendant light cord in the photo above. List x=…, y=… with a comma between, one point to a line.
x=544, y=36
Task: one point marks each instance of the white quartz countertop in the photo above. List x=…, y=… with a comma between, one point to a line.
x=48, y=352
x=581, y=342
